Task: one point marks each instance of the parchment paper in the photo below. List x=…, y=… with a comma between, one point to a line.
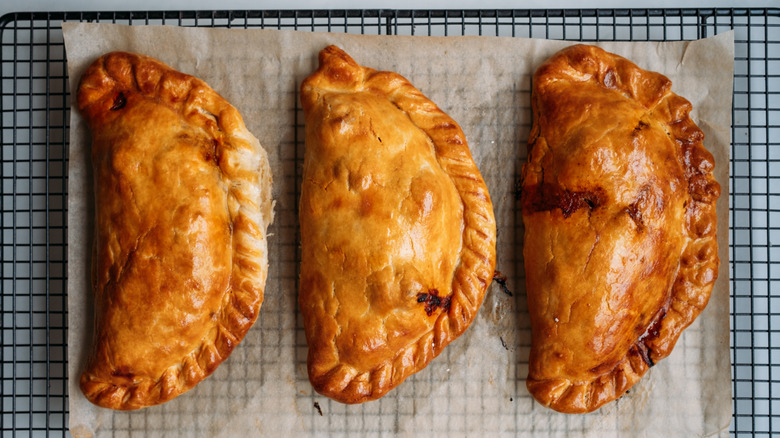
x=477, y=386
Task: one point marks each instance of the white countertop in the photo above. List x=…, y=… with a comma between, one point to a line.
x=143, y=5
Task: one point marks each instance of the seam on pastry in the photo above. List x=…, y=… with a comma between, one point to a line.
x=133, y=198
x=130, y=253
x=134, y=77
x=593, y=247
x=336, y=313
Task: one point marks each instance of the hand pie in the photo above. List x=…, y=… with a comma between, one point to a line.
x=397, y=230
x=620, y=227
x=182, y=204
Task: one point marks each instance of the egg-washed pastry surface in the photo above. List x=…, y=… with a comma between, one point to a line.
x=182, y=205
x=620, y=248
x=397, y=230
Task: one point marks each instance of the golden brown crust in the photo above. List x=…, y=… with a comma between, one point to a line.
x=397, y=230
x=619, y=210
x=182, y=204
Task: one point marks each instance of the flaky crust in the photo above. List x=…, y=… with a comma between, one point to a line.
x=619, y=210
x=397, y=230
x=182, y=205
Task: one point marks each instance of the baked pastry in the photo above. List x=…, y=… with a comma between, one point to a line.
x=397, y=230
x=182, y=204
x=620, y=248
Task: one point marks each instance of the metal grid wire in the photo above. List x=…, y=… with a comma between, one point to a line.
x=35, y=109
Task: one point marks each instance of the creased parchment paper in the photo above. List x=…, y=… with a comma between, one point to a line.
x=477, y=386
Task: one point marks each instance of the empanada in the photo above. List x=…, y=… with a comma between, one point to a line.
x=620, y=248
x=397, y=230
x=182, y=204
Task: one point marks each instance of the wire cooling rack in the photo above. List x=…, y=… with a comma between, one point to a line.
x=35, y=110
